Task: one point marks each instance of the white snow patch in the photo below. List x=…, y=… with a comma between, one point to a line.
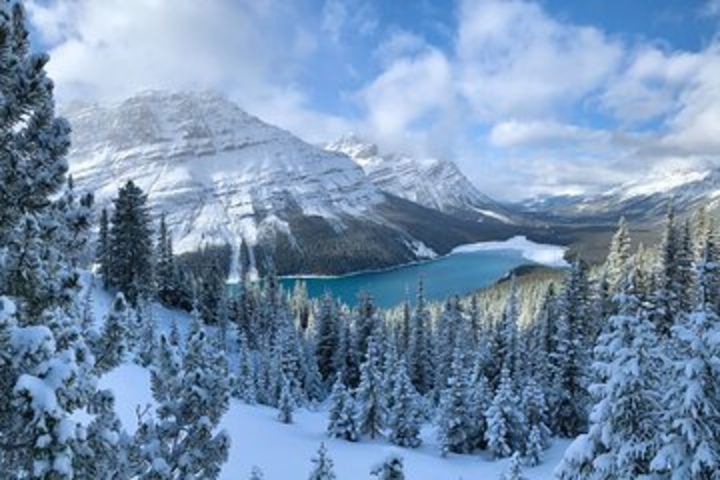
x=550, y=255
x=283, y=452
x=420, y=250
x=495, y=215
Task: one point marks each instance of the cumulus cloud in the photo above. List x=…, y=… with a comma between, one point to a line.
x=515, y=95
x=250, y=49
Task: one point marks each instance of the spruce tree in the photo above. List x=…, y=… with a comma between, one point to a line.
x=46, y=368
x=691, y=441
x=165, y=269
x=131, y=245
x=419, y=347
x=390, y=469
x=623, y=435
x=370, y=396
x=322, y=466
x=404, y=419
x=618, y=257
x=342, y=416
x=286, y=402
x=102, y=254
x=514, y=471
x=327, y=338
x=454, y=429
x=506, y=429
x=112, y=346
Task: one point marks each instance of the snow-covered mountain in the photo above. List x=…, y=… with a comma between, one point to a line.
x=224, y=177
x=645, y=200
x=435, y=183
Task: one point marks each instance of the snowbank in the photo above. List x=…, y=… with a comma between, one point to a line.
x=550, y=255
x=283, y=452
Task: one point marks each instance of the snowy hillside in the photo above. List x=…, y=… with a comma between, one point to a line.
x=223, y=176
x=257, y=437
x=432, y=182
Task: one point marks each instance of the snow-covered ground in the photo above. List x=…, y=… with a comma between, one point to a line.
x=550, y=255
x=283, y=452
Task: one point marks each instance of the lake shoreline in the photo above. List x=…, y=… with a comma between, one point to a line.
x=518, y=243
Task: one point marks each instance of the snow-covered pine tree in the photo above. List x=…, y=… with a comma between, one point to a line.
x=570, y=358
x=419, y=345
x=147, y=336
x=404, y=419
x=286, y=402
x=535, y=413
x=342, y=415
x=46, y=369
x=390, y=469
x=183, y=441
x=623, y=437
x=691, y=441
x=327, y=337
x=323, y=468
x=370, y=397
x=618, y=257
x=365, y=323
x=112, y=346
x=479, y=399
x=454, y=431
x=131, y=245
x=514, y=471
x=666, y=296
x=102, y=447
x=211, y=293
x=165, y=269
x=102, y=253
x=506, y=428
x=245, y=378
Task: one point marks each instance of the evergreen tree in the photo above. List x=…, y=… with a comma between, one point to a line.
x=322, y=466
x=390, y=469
x=342, y=414
x=46, y=368
x=102, y=254
x=479, y=399
x=182, y=443
x=286, y=403
x=535, y=413
x=245, y=381
x=404, y=419
x=370, y=395
x=166, y=273
x=102, y=448
x=623, y=435
x=691, y=443
x=327, y=338
x=112, y=346
x=506, y=429
x=514, y=471
x=131, y=251
x=419, y=346
x=618, y=257
x=569, y=360
x=454, y=430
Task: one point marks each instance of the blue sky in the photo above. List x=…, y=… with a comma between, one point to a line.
x=528, y=97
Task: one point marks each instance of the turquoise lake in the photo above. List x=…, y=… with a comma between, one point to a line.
x=458, y=273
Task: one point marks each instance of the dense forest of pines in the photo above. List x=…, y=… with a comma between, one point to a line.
x=623, y=357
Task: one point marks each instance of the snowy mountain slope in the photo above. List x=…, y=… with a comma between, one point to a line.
x=223, y=176
x=432, y=182
x=643, y=201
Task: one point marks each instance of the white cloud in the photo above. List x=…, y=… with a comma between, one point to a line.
x=409, y=90
x=516, y=61
x=542, y=133
x=250, y=49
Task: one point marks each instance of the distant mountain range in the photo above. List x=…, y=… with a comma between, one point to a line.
x=643, y=202
x=224, y=177
x=434, y=183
